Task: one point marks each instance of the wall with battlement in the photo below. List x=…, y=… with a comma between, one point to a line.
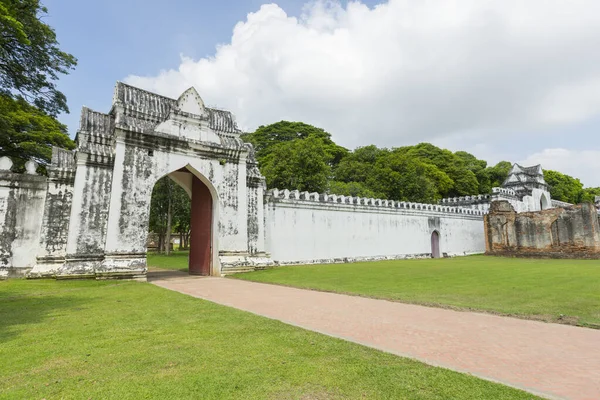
x=307, y=227
x=22, y=199
x=532, y=202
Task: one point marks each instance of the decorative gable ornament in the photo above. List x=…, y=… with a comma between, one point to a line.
x=191, y=102
x=189, y=119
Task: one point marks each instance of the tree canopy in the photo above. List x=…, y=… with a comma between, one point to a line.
x=30, y=63
x=564, y=187
x=295, y=155
x=26, y=133
x=589, y=194
x=30, y=59
x=266, y=137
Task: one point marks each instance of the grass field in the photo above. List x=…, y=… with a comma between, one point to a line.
x=177, y=260
x=566, y=291
x=130, y=340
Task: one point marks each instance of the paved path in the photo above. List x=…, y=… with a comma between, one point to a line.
x=551, y=360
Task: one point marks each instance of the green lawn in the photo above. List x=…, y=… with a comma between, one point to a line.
x=177, y=260
x=566, y=291
x=131, y=340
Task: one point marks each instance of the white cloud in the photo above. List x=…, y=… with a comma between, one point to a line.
x=405, y=71
x=583, y=164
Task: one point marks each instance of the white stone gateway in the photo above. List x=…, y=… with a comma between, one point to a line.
x=93, y=217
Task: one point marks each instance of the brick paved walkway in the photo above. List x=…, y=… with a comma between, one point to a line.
x=551, y=360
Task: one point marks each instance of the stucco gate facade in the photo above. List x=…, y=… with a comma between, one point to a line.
x=96, y=212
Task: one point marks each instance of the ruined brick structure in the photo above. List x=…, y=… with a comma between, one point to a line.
x=564, y=232
x=89, y=217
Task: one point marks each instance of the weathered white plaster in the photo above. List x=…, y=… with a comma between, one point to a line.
x=31, y=167
x=30, y=208
x=5, y=163
x=21, y=207
x=320, y=228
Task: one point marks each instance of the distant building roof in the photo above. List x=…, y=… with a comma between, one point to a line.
x=523, y=179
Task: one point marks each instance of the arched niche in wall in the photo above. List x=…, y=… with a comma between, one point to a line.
x=435, y=244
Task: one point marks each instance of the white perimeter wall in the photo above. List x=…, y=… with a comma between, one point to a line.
x=328, y=229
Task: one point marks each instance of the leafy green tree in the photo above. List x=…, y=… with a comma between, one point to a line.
x=354, y=189
x=266, y=137
x=27, y=132
x=169, y=208
x=589, y=194
x=30, y=62
x=295, y=155
x=464, y=180
x=30, y=59
x=479, y=168
x=498, y=173
x=402, y=177
x=564, y=187
x=358, y=165
x=301, y=164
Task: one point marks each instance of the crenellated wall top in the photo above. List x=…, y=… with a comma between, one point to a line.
x=504, y=191
x=277, y=195
x=478, y=199
x=466, y=199
x=31, y=165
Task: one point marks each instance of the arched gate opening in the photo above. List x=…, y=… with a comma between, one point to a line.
x=193, y=226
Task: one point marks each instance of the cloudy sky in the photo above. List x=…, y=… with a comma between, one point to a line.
x=503, y=79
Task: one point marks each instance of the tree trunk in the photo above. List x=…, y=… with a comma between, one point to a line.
x=169, y=228
x=187, y=240
x=161, y=240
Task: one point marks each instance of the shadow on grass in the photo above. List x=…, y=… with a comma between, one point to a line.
x=19, y=312
x=155, y=274
x=177, y=260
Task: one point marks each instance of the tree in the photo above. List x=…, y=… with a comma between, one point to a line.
x=27, y=132
x=182, y=216
x=300, y=164
x=358, y=165
x=30, y=62
x=354, y=189
x=266, y=137
x=464, y=181
x=169, y=206
x=589, y=194
x=498, y=173
x=564, y=187
x=479, y=168
x=402, y=177
x=30, y=59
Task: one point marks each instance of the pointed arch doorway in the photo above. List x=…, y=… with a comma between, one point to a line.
x=202, y=239
x=435, y=244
